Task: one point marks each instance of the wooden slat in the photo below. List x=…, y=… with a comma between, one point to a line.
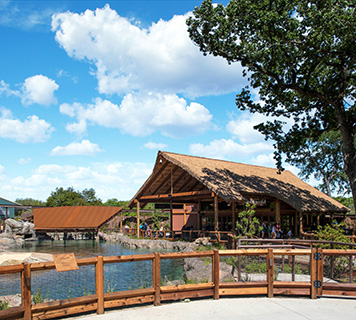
x=64, y=312
x=65, y=303
x=11, y=269
x=26, y=290
x=270, y=273
x=339, y=252
x=157, y=279
x=128, y=258
x=242, y=252
x=128, y=294
x=254, y=284
x=187, y=294
x=181, y=255
x=292, y=284
x=187, y=287
x=50, y=264
x=243, y=291
x=99, y=284
x=128, y=301
x=216, y=273
x=313, y=274
x=294, y=252
x=292, y=291
x=12, y=313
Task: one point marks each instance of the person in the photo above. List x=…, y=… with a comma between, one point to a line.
x=264, y=230
x=269, y=231
x=289, y=234
x=274, y=232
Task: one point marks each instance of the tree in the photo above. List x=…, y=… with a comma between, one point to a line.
x=322, y=157
x=300, y=54
x=90, y=198
x=31, y=202
x=116, y=203
x=65, y=197
x=247, y=225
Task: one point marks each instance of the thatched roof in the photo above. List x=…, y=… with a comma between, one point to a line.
x=232, y=181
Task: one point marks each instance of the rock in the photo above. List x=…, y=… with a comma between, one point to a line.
x=8, y=242
x=203, y=241
x=14, y=228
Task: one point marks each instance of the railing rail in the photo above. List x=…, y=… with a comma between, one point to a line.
x=157, y=293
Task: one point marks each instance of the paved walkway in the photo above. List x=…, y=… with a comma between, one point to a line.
x=241, y=309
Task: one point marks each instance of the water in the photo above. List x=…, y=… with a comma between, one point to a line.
x=55, y=285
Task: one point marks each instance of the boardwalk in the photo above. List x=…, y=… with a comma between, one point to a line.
x=242, y=309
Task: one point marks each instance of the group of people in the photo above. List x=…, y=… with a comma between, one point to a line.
x=274, y=231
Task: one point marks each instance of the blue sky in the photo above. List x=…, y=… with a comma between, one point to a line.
x=91, y=90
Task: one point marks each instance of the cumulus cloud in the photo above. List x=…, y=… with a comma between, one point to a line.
x=110, y=180
x=126, y=57
x=32, y=129
x=5, y=89
x=24, y=160
x=39, y=89
x=85, y=147
x=141, y=115
x=228, y=148
x=154, y=145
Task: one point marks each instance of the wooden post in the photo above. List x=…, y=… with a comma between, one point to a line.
x=300, y=224
x=121, y=221
x=350, y=265
x=26, y=291
x=313, y=274
x=99, y=284
x=184, y=213
x=171, y=214
x=199, y=217
x=278, y=211
x=295, y=221
x=270, y=273
x=157, y=279
x=138, y=220
x=216, y=273
x=293, y=267
x=216, y=213
x=233, y=208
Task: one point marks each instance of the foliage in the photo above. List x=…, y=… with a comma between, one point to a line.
x=347, y=202
x=334, y=232
x=300, y=56
x=70, y=197
x=322, y=158
x=4, y=305
x=37, y=297
x=31, y=202
x=247, y=225
x=116, y=203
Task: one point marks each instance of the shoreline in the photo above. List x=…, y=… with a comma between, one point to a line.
x=11, y=258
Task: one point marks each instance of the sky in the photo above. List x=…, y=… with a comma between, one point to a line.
x=91, y=90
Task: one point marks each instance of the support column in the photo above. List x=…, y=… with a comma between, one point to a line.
x=171, y=214
x=233, y=208
x=278, y=211
x=295, y=222
x=184, y=213
x=199, y=217
x=216, y=213
x=138, y=220
x=300, y=224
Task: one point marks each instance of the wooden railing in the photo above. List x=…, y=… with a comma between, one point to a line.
x=156, y=293
x=188, y=235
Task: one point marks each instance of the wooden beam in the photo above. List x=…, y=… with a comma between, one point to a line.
x=165, y=180
x=278, y=211
x=167, y=190
x=185, y=184
x=174, y=195
x=26, y=290
x=216, y=213
x=233, y=208
x=99, y=284
x=138, y=219
x=155, y=176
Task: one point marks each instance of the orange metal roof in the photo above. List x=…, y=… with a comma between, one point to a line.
x=69, y=218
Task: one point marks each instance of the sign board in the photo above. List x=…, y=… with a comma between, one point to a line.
x=65, y=262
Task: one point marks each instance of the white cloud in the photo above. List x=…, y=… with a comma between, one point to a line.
x=5, y=89
x=32, y=129
x=227, y=148
x=161, y=58
x=110, y=180
x=24, y=160
x=85, y=147
x=154, y=145
x=141, y=115
x=39, y=89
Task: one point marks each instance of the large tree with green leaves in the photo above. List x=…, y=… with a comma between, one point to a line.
x=300, y=55
x=70, y=197
x=322, y=158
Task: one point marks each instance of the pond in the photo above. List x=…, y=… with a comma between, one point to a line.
x=55, y=285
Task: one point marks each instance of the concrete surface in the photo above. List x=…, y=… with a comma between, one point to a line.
x=241, y=309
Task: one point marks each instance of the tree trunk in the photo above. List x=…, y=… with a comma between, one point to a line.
x=348, y=148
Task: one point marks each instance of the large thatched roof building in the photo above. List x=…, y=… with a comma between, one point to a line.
x=219, y=189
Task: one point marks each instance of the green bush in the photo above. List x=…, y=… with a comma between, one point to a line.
x=4, y=305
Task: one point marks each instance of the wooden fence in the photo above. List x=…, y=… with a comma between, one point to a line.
x=100, y=301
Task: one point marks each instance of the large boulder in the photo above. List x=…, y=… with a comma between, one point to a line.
x=8, y=242
x=14, y=228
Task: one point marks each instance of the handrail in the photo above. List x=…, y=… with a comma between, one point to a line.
x=157, y=293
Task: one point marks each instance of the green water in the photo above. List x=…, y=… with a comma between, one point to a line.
x=117, y=276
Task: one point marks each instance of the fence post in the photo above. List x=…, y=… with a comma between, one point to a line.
x=293, y=267
x=270, y=273
x=99, y=284
x=313, y=274
x=26, y=290
x=216, y=273
x=157, y=279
